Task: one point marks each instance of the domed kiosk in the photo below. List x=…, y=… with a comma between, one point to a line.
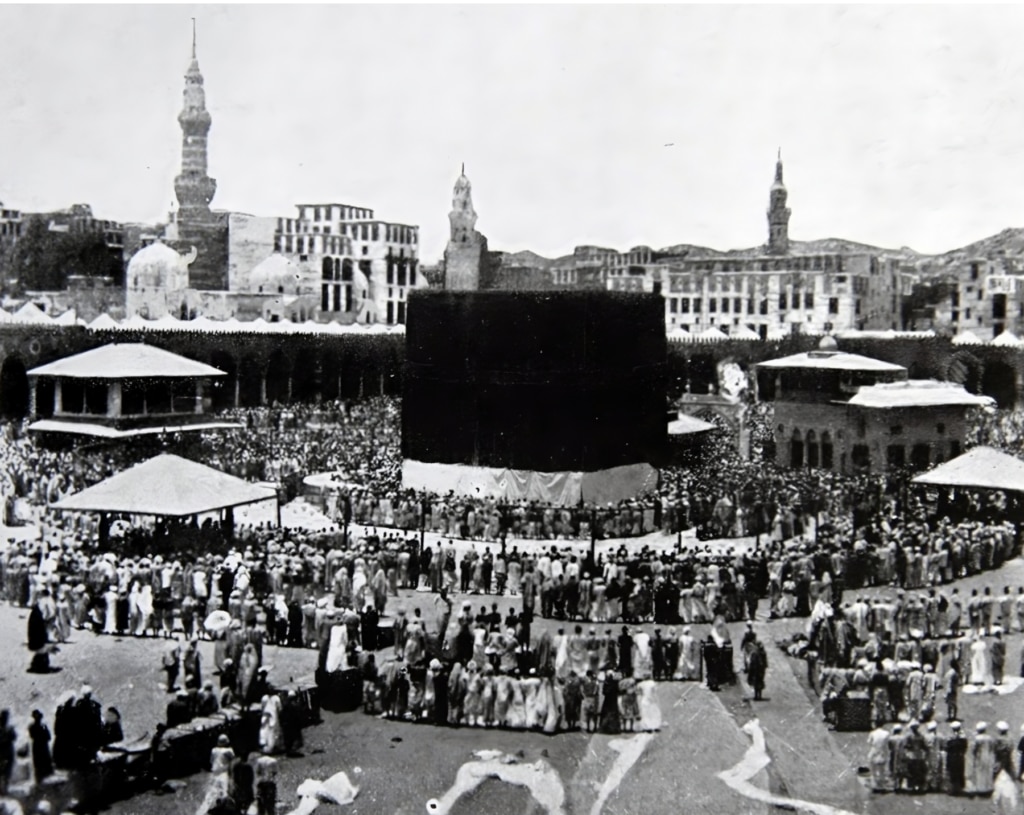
x=156, y=280
x=276, y=275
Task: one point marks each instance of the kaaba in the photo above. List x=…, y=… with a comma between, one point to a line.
x=556, y=396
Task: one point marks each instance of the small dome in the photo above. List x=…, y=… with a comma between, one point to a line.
x=157, y=266
x=272, y=273
x=828, y=343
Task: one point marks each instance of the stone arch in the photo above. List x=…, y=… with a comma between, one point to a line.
x=827, y=451
x=14, y=389
x=223, y=389
x=811, y=449
x=250, y=382
x=306, y=376
x=330, y=374
x=999, y=380
x=965, y=369
x=796, y=449
x=279, y=374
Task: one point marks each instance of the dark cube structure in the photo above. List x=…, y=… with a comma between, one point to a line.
x=543, y=381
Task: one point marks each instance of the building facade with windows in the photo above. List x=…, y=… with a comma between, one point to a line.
x=776, y=286
x=815, y=293
x=329, y=263
x=984, y=296
x=853, y=414
x=386, y=254
x=78, y=219
x=10, y=230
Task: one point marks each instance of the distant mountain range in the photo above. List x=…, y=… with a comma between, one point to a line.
x=1008, y=243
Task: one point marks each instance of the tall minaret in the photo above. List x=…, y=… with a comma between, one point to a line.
x=463, y=216
x=193, y=187
x=778, y=213
x=465, y=258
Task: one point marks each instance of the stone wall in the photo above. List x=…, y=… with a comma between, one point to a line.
x=209, y=271
x=463, y=264
x=250, y=242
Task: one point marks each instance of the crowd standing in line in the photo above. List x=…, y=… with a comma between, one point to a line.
x=820, y=537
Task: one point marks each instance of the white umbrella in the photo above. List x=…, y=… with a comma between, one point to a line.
x=217, y=621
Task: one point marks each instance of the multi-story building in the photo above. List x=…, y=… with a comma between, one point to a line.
x=853, y=414
x=776, y=286
x=10, y=231
x=818, y=293
x=386, y=253
x=10, y=225
x=78, y=219
x=332, y=262
x=984, y=296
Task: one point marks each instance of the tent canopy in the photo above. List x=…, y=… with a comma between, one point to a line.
x=917, y=393
x=980, y=468
x=168, y=486
x=126, y=361
x=832, y=360
x=687, y=425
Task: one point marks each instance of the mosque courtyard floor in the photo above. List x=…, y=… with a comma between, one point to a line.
x=705, y=759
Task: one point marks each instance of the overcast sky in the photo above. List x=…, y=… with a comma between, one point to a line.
x=615, y=125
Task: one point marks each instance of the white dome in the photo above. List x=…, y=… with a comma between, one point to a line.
x=158, y=266
x=273, y=273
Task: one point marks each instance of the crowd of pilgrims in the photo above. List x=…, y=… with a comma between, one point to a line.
x=492, y=679
x=81, y=728
x=359, y=442
x=287, y=583
x=32, y=768
x=909, y=654
x=292, y=588
x=919, y=758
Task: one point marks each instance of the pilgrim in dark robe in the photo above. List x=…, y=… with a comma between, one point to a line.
x=610, y=722
x=625, y=652
x=39, y=733
x=37, y=637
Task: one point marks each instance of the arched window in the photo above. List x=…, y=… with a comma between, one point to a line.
x=327, y=269
x=826, y=450
x=796, y=449
x=813, y=458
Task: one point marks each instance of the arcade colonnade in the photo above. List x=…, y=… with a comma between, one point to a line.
x=258, y=371
x=261, y=369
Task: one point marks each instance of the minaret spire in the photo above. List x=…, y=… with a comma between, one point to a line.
x=465, y=257
x=193, y=187
x=778, y=213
